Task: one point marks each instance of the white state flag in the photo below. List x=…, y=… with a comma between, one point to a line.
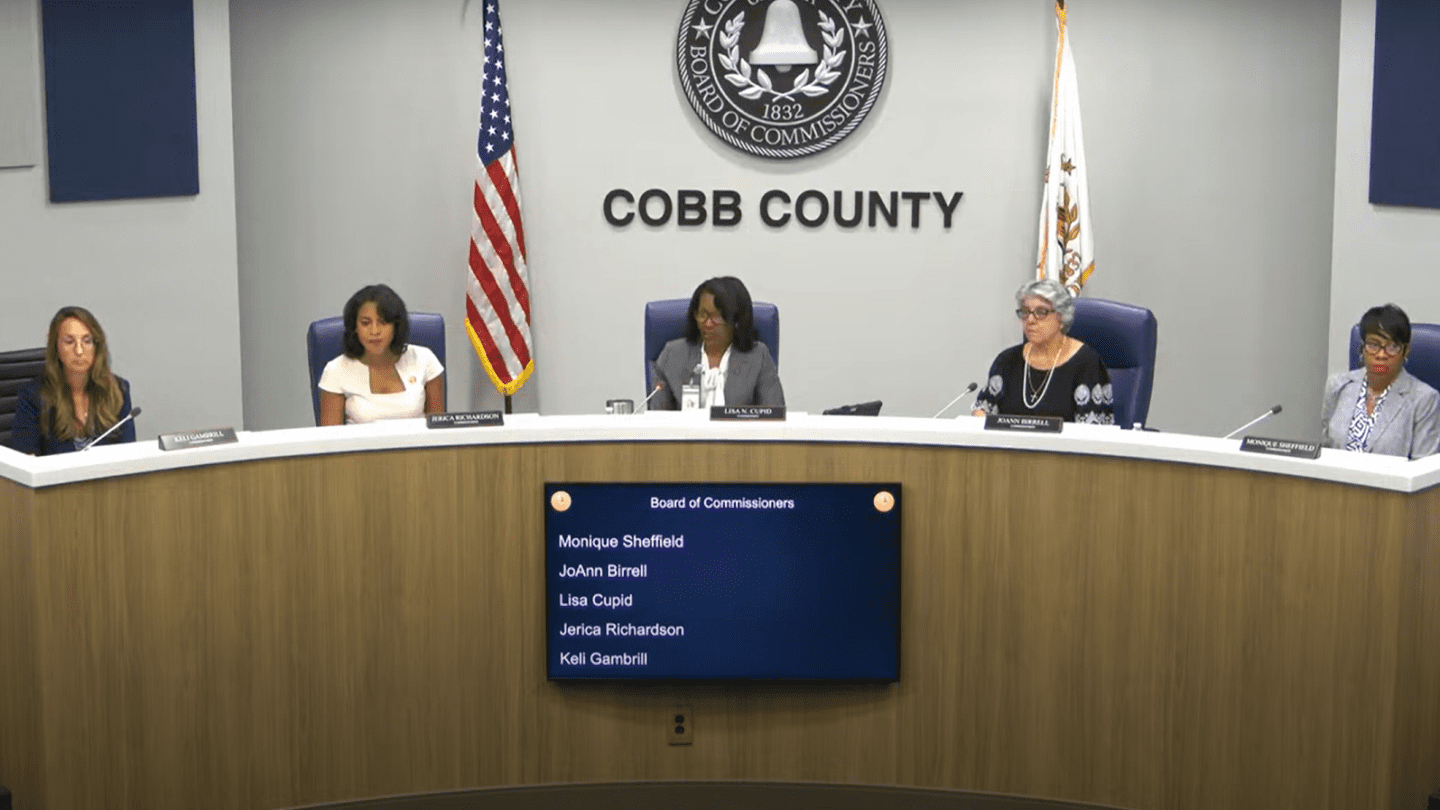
x=1067, y=244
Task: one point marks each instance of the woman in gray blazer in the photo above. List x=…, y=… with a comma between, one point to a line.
x=719, y=355
x=1381, y=408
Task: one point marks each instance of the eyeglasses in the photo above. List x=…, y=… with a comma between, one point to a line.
x=86, y=342
x=714, y=317
x=1376, y=347
x=1038, y=313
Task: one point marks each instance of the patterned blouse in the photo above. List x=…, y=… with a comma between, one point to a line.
x=1361, y=423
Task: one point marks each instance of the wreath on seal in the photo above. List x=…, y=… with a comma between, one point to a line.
x=756, y=83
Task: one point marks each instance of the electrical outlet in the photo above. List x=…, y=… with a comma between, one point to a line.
x=680, y=726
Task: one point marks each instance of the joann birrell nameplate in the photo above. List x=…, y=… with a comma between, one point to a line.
x=781, y=78
x=1033, y=424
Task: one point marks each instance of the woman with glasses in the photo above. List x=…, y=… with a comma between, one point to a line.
x=1051, y=373
x=1380, y=407
x=720, y=359
x=77, y=399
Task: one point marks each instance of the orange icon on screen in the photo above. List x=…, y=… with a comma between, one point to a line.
x=884, y=501
x=560, y=500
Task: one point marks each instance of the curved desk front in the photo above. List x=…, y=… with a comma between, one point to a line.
x=1138, y=620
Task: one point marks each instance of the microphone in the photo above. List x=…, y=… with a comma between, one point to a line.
x=659, y=384
x=134, y=412
x=1257, y=420
x=971, y=387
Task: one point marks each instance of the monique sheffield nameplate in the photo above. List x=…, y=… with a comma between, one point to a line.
x=1280, y=447
x=780, y=78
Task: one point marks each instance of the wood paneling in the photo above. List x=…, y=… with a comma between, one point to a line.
x=21, y=763
x=1125, y=632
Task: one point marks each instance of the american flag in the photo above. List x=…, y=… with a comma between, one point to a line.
x=497, y=297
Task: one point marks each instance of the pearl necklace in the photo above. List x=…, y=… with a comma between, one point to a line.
x=1027, y=390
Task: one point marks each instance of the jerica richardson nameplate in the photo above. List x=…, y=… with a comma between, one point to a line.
x=782, y=78
x=467, y=419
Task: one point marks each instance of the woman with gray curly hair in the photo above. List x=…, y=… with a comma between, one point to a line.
x=1051, y=373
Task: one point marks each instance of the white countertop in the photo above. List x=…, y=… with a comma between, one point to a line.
x=1380, y=472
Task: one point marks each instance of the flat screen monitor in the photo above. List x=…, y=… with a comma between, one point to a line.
x=723, y=581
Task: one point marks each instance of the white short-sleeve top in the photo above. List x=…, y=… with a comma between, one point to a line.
x=351, y=378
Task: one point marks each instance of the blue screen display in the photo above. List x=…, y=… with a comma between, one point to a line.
x=722, y=581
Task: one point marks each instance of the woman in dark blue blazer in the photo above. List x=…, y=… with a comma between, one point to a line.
x=77, y=398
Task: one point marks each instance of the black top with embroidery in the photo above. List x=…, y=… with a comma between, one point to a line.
x=1078, y=391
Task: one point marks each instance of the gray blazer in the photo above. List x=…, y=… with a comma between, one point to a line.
x=1408, y=424
x=751, y=378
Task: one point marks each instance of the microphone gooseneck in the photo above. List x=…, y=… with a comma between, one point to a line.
x=1257, y=420
x=134, y=412
x=659, y=384
x=971, y=387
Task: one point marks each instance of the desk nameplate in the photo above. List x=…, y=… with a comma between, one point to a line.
x=1033, y=424
x=1280, y=447
x=746, y=413
x=469, y=419
x=197, y=438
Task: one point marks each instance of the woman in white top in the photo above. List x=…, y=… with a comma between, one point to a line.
x=380, y=375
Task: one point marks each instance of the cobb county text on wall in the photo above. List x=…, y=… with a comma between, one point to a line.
x=779, y=78
x=777, y=208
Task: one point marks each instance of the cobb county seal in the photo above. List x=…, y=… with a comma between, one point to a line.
x=780, y=78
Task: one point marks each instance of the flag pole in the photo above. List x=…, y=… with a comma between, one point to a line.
x=507, y=404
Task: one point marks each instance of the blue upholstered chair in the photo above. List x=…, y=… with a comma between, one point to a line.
x=1424, y=359
x=1126, y=337
x=665, y=321
x=326, y=340
x=17, y=369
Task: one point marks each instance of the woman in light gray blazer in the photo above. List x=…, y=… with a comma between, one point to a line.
x=720, y=354
x=1381, y=408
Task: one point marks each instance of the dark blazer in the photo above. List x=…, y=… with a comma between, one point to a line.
x=1408, y=424
x=751, y=379
x=25, y=435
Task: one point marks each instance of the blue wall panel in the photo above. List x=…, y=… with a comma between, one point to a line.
x=120, y=99
x=1405, y=119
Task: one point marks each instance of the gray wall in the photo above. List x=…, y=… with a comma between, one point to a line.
x=1210, y=131
x=355, y=139
x=1211, y=139
x=1382, y=253
x=160, y=274
x=19, y=83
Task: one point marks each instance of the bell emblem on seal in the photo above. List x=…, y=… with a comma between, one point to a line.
x=782, y=40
